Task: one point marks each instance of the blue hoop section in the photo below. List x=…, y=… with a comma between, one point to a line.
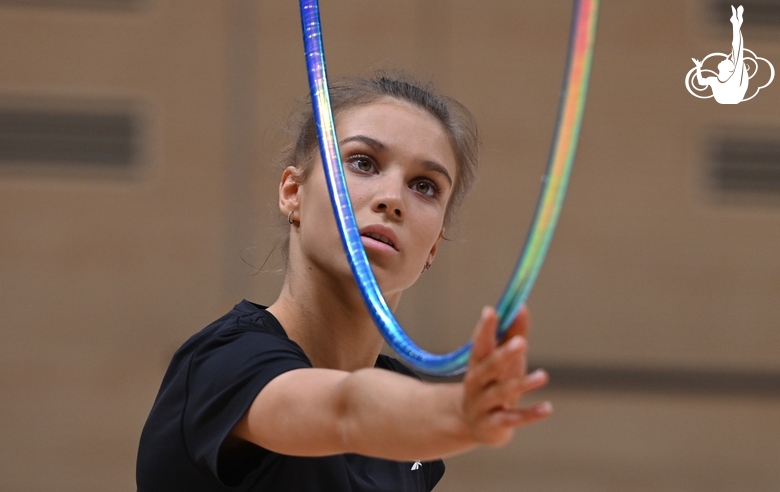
x=581, y=45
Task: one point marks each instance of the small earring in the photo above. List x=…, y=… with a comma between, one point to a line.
x=426, y=267
x=289, y=217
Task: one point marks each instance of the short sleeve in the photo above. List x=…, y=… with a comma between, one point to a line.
x=226, y=373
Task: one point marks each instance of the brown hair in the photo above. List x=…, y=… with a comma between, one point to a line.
x=458, y=122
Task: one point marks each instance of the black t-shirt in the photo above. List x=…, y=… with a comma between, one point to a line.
x=211, y=382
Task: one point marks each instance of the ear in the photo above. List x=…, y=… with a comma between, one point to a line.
x=435, y=247
x=289, y=187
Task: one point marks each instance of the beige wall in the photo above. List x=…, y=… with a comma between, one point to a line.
x=103, y=277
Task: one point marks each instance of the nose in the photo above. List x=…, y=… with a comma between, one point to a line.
x=389, y=199
x=383, y=207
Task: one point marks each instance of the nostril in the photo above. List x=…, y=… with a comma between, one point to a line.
x=383, y=207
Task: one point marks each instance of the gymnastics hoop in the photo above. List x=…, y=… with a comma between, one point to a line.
x=570, y=111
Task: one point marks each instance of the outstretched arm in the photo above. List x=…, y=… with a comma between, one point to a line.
x=701, y=80
x=375, y=412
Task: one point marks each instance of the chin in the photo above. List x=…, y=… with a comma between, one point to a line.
x=391, y=282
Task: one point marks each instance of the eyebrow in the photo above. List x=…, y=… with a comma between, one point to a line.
x=380, y=147
x=438, y=168
x=374, y=144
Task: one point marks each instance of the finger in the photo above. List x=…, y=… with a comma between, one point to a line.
x=536, y=380
x=506, y=394
x=484, y=339
x=496, y=365
x=520, y=325
x=520, y=386
x=516, y=367
x=531, y=382
x=521, y=416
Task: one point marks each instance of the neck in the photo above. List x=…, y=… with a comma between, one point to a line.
x=328, y=319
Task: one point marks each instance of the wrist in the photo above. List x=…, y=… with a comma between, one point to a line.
x=454, y=422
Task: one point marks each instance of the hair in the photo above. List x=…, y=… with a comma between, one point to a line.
x=457, y=121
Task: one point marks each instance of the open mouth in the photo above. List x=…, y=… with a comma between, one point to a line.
x=380, y=238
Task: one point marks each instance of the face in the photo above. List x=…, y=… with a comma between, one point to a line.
x=400, y=168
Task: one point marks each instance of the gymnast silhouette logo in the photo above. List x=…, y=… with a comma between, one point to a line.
x=730, y=84
x=417, y=464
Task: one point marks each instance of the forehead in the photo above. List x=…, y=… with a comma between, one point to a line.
x=401, y=127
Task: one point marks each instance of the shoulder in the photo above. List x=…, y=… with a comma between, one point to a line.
x=248, y=329
x=247, y=341
x=247, y=317
x=211, y=382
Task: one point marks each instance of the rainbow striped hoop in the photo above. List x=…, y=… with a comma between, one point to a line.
x=548, y=208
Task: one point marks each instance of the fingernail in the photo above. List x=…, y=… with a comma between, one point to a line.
x=537, y=375
x=544, y=408
x=514, y=343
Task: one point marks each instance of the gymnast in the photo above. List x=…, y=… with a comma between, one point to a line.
x=731, y=84
x=296, y=396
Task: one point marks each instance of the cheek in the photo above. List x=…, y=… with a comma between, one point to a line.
x=360, y=191
x=320, y=219
x=427, y=229
x=318, y=234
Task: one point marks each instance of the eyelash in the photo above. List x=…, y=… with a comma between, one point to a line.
x=353, y=161
x=434, y=189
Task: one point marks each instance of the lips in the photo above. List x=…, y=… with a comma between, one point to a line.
x=382, y=234
x=380, y=237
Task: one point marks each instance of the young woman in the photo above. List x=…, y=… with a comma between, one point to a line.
x=296, y=396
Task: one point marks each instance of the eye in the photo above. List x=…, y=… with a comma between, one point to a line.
x=426, y=187
x=362, y=163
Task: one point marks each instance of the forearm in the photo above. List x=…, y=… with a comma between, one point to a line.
x=392, y=416
x=701, y=80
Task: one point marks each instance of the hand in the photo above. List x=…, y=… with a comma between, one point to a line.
x=697, y=62
x=496, y=380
